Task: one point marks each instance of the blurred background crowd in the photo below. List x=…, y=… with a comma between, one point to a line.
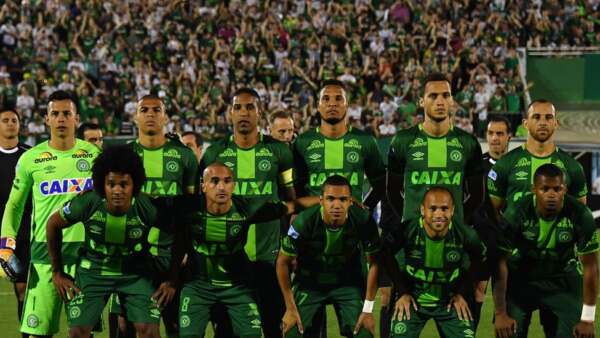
x=193, y=54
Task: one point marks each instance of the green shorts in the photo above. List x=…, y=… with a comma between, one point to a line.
x=446, y=321
x=197, y=298
x=347, y=301
x=134, y=291
x=562, y=296
x=42, y=305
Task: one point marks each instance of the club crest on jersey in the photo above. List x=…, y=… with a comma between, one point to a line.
x=352, y=157
x=83, y=165
x=82, y=153
x=46, y=156
x=172, y=166
x=264, y=165
x=455, y=155
x=65, y=186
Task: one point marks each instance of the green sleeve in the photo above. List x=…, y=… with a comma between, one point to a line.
x=396, y=158
x=578, y=186
x=208, y=157
x=190, y=172
x=509, y=226
x=394, y=238
x=588, y=240
x=300, y=167
x=475, y=165
x=289, y=244
x=13, y=211
x=80, y=208
x=264, y=211
x=374, y=167
x=369, y=234
x=497, y=180
x=474, y=245
x=149, y=214
x=286, y=165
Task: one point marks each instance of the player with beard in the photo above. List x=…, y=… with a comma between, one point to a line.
x=336, y=148
x=553, y=242
x=511, y=178
x=433, y=153
x=261, y=165
x=10, y=152
x=484, y=219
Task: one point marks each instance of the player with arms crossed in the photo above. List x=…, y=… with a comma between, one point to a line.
x=434, y=283
x=53, y=171
x=553, y=234
x=327, y=240
x=117, y=219
x=220, y=270
x=261, y=165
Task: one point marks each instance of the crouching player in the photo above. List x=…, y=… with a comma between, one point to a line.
x=327, y=242
x=436, y=280
x=116, y=218
x=548, y=235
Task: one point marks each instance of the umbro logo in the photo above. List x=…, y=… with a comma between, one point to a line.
x=315, y=158
x=418, y=156
x=521, y=175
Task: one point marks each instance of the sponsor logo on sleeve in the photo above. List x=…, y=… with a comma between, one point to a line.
x=293, y=233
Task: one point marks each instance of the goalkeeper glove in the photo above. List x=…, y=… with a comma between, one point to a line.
x=11, y=266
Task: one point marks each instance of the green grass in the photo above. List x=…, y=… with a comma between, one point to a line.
x=9, y=325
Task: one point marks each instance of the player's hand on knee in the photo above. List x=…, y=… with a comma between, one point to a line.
x=505, y=326
x=462, y=308
x=11, y=266
x=584, y=330
x=290, y=319
x=164, y=294
x=403, y=306
x=367, y=321
x=64, y=286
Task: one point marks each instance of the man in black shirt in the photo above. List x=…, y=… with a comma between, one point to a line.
x=10, y=151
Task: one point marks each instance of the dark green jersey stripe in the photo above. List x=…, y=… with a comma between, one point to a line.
x=115, y=229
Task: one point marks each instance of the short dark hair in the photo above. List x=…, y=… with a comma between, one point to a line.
x=336, y=180
x=10, y=110
x=437, y=188
x=501, y=119
x=536, y=101
x=150, y=97
x=279, y=114
x=61, y=95
x=333, y=82
x=120, y=159
x=548, y=170
x=435, y=77
x=86, y=126
x=246, y=90
x=197, y=136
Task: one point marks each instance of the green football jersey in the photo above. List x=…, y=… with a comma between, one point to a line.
x=425, y=161
x=353, y=156
x=53, y=177
x=326, y=256
x=170, y=170
x=218, y=240
x=512, y=176
x=432, y=267
x=546, y=248
x=259, y=171
x=114, y=245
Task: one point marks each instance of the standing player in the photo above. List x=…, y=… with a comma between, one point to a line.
x=512, y=176
x=260, y=165
x=433, y=153
x=327, y=240
x=91, y=132
x=554, y=235
x=10, y=152
x=53, y=171
x=171, y=169
x=193, y=141
x=434, y=283
x=219, y=268
x=116, y=218
x=335, y=148
x=484, y=219
x=281, y=126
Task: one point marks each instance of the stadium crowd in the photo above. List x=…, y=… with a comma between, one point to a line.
x=195, y=54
